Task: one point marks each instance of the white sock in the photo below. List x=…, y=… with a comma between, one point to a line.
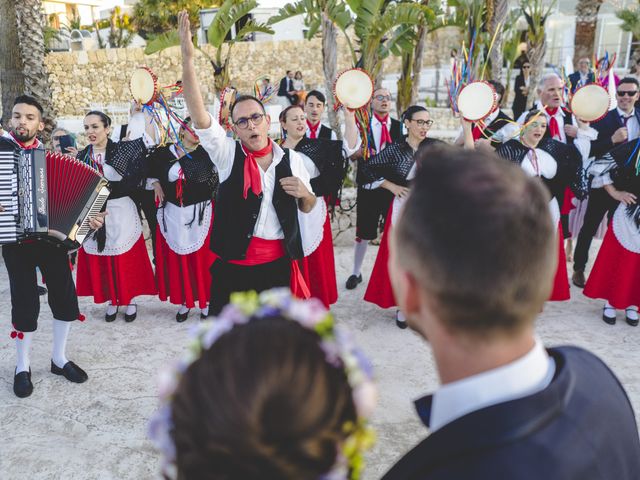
x=400, y=316
x=205, y=311
x=23, y=347
x=131, y=309
x=359, y=251
x=632, y=312
x=608, y=305
x=60, y=334
x=183, y=310
x=111, y=309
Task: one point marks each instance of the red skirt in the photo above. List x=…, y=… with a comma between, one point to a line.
x=319, y=269
x=615, y=276
x=560, y=290
x=117, y=278
x=379, y=290
x=183, y=279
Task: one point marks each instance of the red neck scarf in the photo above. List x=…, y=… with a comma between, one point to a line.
x=477, y=132
x=35, y=144
x=313, y=129
x=251, y=170
x=385, y=137
x=554, y=128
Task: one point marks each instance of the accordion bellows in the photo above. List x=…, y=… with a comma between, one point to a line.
x=48, y=195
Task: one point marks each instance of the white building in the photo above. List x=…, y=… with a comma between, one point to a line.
x=61, y=12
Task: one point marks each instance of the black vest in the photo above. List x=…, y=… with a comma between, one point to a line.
x=235, y=217
x=325, y=132
x=568, y=120
x=396, y=131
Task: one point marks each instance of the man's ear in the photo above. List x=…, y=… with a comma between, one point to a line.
x=412, y=297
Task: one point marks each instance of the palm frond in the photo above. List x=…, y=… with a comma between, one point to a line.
x=290, y=10
x=230, y=12
x=253, y=27
x=162, y=41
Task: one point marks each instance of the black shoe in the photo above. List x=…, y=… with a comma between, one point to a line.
x=22, y=385
x=70, y=371
x=42, y=290
x=578, y=279
x=181, y=317
x=631, y=321
x=353, y=281
x=111, y=317
x=606, y=319
x=203, y=316
x=130, y=318
x=400, y=323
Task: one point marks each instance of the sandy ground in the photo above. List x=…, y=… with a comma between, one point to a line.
x=97, y=430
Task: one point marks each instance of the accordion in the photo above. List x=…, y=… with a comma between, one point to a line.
x=48, y=195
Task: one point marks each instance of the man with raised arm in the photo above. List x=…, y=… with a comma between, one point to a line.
x=264, y=204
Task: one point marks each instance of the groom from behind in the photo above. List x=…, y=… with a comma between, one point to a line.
x=471, y=276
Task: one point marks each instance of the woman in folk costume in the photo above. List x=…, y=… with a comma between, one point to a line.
x=113, y=264
x=326, y=161
x=185, y=218
x=559, y=166
x=615, y=276
x=394, y=167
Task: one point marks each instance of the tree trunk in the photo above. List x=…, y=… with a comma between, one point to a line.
x=11, y=76
x=330, y=68
x=417, y=64
x=403, y=96
x=31, y=43
x=500, y=11
x=536, y=52
x=586, y=21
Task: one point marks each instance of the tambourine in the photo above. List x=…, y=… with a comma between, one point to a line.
x=227, y=98
x=477, y=100
x=590, y=103
x=353, y=88
x=143, y=86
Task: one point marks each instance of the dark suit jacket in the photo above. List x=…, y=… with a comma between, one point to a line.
x=606, y=128
x=581, y=427
x=396, y=131
x=520, y=100
x=574, y=79
x=283, y=90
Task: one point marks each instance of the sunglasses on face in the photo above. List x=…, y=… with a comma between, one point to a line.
x=243, y=122
x=381, y=98
x=57, y=137
x=526, y=67
x=628, y=93
x=422, y=123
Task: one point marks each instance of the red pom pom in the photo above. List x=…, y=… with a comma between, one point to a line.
x=20, y=335
x=14, y=334
x=81, y=317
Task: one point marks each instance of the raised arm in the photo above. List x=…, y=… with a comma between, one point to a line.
x=351, y=134
x=191, y=90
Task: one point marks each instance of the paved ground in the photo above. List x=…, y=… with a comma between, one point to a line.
x=98, y=430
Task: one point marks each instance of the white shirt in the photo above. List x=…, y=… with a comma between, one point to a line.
x=633, y=128
x=376, y=129
x=222, y=149
x=526, y=376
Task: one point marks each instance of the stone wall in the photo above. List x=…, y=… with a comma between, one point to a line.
x=80, y=79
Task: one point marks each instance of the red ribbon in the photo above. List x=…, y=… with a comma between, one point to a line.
x=313, y=129
x=251, y=170
x=554, y=128
x=180, y=187
x=385, y=137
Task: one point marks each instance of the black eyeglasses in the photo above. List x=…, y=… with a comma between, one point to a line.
x=381, y=98
x=422, y=123
x=243, y=122
x=628, y=93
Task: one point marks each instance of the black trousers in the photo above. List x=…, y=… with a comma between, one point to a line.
x=227, y=278
x=21, y=262
x=599, y=204
x=371, y=207
x=145, y=200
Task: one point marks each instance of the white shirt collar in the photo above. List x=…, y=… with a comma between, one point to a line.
x=492, y=116
x=525, y=376
x=8, y=136
x=378, y=123
x=622, y=114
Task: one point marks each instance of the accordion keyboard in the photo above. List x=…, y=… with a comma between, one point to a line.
x=9, y=228
x=95, y=208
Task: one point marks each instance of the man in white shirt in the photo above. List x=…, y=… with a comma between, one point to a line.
x=507, y=408
x=314, y=106
x=256, y=231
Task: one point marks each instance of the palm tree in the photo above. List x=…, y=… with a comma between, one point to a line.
x=326, y=17
x=631, y=23
x=586, y=19
x=497, y=24
x=229, y=14
x=22, y=68
x=536, y=14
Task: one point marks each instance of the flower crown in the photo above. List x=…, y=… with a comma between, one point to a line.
x=340, y=351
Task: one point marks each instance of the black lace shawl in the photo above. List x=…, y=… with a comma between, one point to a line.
x=393, y=163
x=620, y=164
x=568, y=158
x=328, y=157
